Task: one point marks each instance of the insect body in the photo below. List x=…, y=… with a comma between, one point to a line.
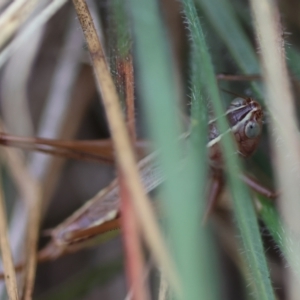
x=245, y=120
x=101, y=213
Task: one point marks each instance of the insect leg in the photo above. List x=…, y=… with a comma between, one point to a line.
x=215, y=190
x=84, y=234
x=257, y=187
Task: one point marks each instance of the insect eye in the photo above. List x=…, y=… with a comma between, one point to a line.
x=252, y=129
x=238, y=102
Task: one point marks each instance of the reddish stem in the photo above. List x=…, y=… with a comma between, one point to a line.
x=131, y=234
x=135, y=270
x=129, y=86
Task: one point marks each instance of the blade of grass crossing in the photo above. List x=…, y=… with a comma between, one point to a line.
x=135, y=264
x=285, y=239
x=243, y=207
x=237, y=42
x=123, y=148
x=281, y=104
x=180, y=194
x=224, y=20
x=198, y=157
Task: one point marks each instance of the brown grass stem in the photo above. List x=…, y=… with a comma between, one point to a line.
x=135, y=264
x=129, y=92
x=124, y=151
x=132, y=245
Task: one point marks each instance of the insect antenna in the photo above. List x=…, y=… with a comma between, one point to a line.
x=234, y=94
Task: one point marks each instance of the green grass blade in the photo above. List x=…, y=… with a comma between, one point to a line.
x=269, y=215
x=156, y=82
x=243, y=207
x=286, y=241
x=293, y=59
x=223, y=18
x=120, y=40
x=242, y=51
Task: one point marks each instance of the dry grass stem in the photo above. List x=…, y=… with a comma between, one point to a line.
x=13, y=17
x=14, y=88
x=123, y=148
x=58, y=100
x=32, y=240
x=285, y=138
x=57, y=105
x=8, y=264
x=30, y=191
x=30, y=29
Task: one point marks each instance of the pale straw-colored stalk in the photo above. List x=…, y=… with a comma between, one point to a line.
x=9, y=271
x=52, y=121
x=14, y=86
x=31, y=28
x=124, y=151
x=283, y=124
x=13, y=17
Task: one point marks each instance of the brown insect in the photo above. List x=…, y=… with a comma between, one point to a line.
x=101, y=215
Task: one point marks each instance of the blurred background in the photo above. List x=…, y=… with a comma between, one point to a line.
x=47, y=89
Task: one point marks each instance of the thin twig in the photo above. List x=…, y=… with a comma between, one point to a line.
x=123, y=148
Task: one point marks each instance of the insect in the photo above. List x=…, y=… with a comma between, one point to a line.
x=101, y=215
